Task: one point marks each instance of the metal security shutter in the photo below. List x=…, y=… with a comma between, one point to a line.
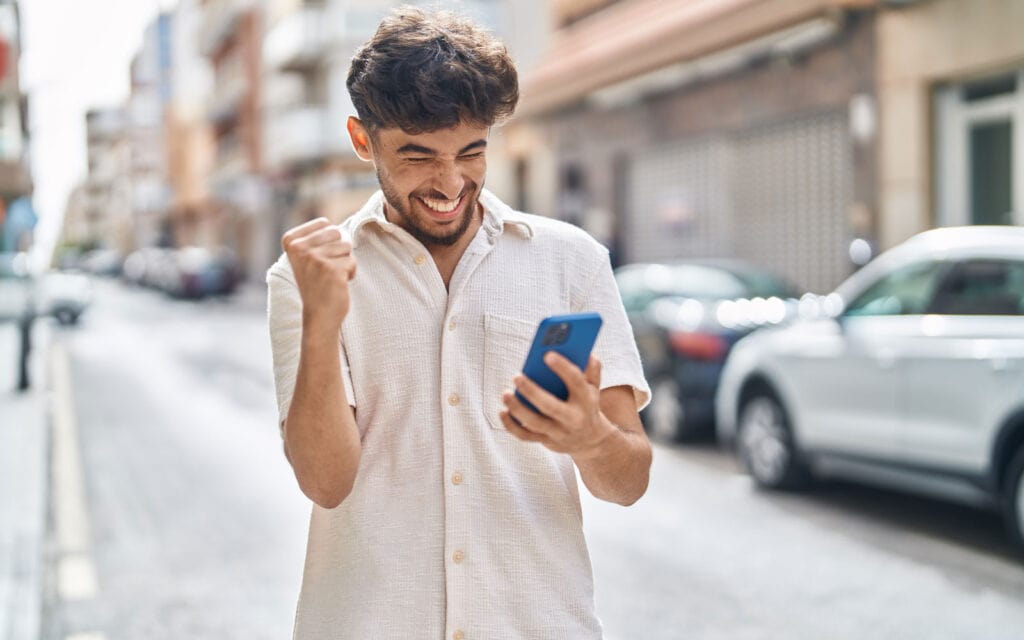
x=777, y=196
x=793, y=189
x=680, y=203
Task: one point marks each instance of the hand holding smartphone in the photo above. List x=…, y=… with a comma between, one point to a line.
x=573, y=336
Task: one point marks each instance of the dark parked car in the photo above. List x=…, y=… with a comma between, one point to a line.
x=686, y=316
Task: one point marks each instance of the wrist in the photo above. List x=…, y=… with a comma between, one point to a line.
x=603, y=443
x=317, y=328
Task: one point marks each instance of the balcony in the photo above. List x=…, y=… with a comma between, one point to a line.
x=227, y=96
x=296, y=136
x=297, y=41
x=219, y=20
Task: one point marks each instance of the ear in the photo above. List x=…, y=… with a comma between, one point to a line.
x=360, y=138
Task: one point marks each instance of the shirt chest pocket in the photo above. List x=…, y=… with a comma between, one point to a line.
x=506, y=342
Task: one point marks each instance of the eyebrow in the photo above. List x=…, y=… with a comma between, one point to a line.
x=427, y=151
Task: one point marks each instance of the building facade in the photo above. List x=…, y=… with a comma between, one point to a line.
x=952, y=121
x=777, y=131
x=15, y=178
x=731, y=129
x=230, y=37
x=100, y=212
x=147, y=105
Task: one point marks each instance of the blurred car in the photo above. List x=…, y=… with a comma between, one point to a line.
x=686, y=316
x=24, y=296
x=201, y=272
x=63, y=295
x=913, y=377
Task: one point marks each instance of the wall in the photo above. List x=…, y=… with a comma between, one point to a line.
x=918, y=47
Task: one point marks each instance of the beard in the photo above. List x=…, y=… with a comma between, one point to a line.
x=417, y=226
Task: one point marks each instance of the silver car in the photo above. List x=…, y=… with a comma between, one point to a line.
x=910, y=375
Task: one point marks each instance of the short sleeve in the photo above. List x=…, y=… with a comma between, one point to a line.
x=616, y=346
x=284, y=319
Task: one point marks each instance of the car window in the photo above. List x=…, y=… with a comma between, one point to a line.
x=765, y=285
x=905, y=291
x=631, y=287
x=982, y=287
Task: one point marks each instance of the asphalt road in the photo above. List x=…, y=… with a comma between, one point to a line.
x=176, y=515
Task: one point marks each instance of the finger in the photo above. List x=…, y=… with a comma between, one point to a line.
x=517, y=430
x=544, y=400
x=331, y=235
x=593, y=372
x=570, y=374
x=345, y=262
x=352, y=271
x=303, y=230
x=527, y=417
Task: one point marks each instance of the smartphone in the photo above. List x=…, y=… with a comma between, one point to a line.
x=572, y=336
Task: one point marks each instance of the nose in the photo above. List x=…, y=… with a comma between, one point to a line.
x=449, y=179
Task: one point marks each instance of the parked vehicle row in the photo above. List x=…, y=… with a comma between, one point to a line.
x=188, y=272
x=909, y=376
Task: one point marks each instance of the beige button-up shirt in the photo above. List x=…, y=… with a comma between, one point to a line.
x=454, y=528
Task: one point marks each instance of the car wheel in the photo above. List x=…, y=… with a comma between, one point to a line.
x=1014, y=498
x=765, y=443
x=664, y=415
x=66, y=317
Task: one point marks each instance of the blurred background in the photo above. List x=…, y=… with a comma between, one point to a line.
x=745, y=162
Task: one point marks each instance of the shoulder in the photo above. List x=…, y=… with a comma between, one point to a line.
x=561, y=238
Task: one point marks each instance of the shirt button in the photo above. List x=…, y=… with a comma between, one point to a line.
x=458, y=557
x=453, y=399
x=420, y=259
x=459, y=635
x=456, y=478
x=451, y=325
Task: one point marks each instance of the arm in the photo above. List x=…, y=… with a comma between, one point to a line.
x=601, y=430
x=321, y=439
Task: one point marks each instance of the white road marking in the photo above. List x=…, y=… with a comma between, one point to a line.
x=76, y=571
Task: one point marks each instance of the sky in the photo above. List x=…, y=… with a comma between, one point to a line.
x=75, y=56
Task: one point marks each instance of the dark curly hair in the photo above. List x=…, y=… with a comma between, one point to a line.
x=425, y=72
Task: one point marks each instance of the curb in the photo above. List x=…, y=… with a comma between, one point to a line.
x=24, y=450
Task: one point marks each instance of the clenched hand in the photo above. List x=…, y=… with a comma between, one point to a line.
x=322, y=261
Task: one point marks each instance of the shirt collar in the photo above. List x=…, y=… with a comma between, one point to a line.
x=497, y=216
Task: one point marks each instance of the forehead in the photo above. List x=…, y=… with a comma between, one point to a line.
x=442, y=140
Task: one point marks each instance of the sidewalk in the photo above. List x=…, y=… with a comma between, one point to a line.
x=23, y=487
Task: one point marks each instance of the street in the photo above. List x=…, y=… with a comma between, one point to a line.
x=174, y=513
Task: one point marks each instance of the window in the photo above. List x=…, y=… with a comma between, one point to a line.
x=979, y=160
x=982, y=287
x=903, y=292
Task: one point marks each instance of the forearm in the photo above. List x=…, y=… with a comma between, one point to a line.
x=320, y=434
x=619, y=469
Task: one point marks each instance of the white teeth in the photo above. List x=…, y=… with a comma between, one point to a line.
x=441, y=206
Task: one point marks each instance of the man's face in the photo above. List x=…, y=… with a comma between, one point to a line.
x=431, y=181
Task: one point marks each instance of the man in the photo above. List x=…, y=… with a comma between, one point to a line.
x=444, y=507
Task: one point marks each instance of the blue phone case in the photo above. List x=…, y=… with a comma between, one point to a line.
x=573, y=336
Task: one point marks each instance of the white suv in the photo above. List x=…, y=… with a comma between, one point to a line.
x=914, y=377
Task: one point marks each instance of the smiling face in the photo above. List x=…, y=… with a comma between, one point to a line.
x=431, y=181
